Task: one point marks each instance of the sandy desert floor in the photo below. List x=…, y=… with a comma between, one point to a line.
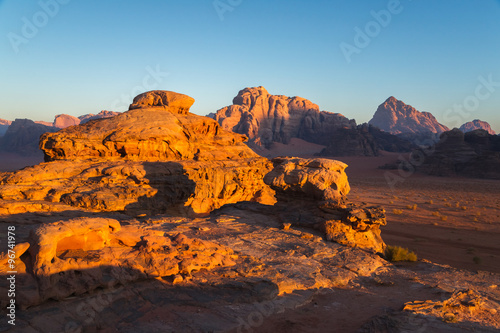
x=453, y=221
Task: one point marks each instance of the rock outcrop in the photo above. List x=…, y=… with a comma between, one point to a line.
x=160, y=130
x=266, y=118
x=77, y=256
x=320, y=179
x=317, y=189
x=174, y=102
x=475, y=125
x=181, y=187
x=148, y=160
x=473, y=154
x=396, y=117
x=364, y=140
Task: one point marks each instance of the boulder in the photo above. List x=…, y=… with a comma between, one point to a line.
x=170, y=100
x=312, y=193
x=320, y=179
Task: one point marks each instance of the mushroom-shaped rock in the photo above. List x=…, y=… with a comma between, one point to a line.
x=319, y=178
x=174, y=102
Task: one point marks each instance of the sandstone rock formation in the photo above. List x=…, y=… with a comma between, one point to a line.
x=174, y=102
x=150, y=133
x=266, y=118
x=65, y=120
x=107, y=242
x=364, y=140
x=473, y=154
x=145, y=161
x=76, y=256
x=475, y=125
x=183, y=187
x=320, y=179
x=22, y=136
x=396, y=117
x=4, y=125
x=317, y=189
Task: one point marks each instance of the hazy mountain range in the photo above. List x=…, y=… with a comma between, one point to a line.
x=267, y=119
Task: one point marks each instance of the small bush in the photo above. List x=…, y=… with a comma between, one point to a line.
x=413, y=207
x=430, y=202
x=464, y=207
x=444, y=218
x=436, y=213
x=397, y=211
x=397, y=253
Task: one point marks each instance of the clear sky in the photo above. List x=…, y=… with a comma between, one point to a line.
x=84, y=56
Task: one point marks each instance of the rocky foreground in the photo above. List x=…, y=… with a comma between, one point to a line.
x=159, y=220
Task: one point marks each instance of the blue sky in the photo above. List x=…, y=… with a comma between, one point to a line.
x=88, y=56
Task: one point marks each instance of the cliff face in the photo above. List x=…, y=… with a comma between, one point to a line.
x=396, y=117
x=364, y=140
x=475, y=125
x=266, y=118
x=473, y=154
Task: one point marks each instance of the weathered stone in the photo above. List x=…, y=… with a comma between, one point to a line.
x=172, y=101
x=320, y=179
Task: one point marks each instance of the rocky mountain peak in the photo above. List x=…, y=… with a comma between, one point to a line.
x=477, y=124
x=396, y=117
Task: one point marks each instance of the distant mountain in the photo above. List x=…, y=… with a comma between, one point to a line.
x=23, y=135
x=103, y=114
x=65, y=120
x=396, y=117
x=266, y=118
x=364, y=140
x=4, y=124
x=477, y=124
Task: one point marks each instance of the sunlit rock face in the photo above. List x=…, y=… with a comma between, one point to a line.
x=157, y=128
x=315, y=190
x=76, y=256
x=155, y=158
x=396, y=117
x=266, y=118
